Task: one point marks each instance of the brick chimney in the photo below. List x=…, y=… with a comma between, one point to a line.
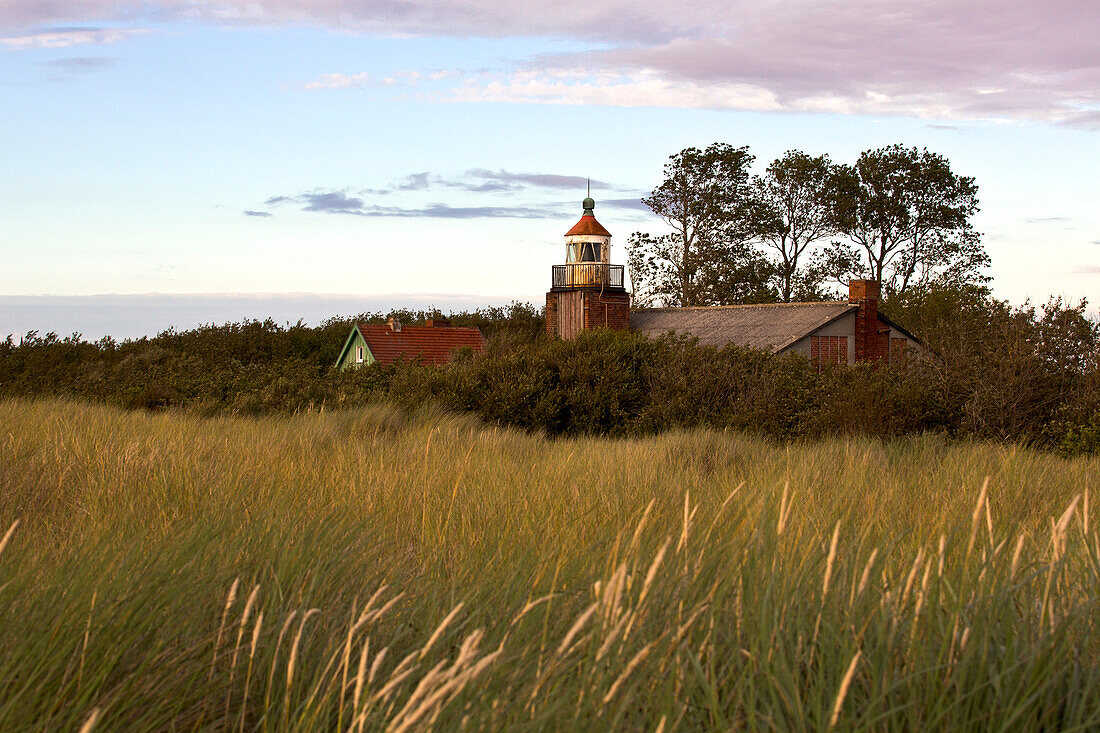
x=438, y=323
x=865, y=293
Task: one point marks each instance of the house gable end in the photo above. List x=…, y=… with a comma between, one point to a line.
x=836, y=334
x=355, y=338
x=813, y=329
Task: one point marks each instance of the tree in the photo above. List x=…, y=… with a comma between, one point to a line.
x=705, y=198
x=1007, y=372
x=795, y=208
x=910, y=215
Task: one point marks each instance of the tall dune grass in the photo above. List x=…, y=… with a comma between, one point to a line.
x=371, y=570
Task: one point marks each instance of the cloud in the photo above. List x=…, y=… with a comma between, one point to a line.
x=636, y=89
x=1088, y=270
x=413, y=182
x=483, y=180
x=633, y=203
x=358, y=202
x=332, y=202
x=595, y=20
x=1096, y=241
x=66, y=37
x=82, y=64
x=601, y=83
x=932, y=59
x=538, y=180
x=485, y=187
x=340, y=81
x=927, y=58
x=443, y=211
x=364, y=79
x=1085, y=120
x=339, y=202
x=1047, y=219
x=250, y=212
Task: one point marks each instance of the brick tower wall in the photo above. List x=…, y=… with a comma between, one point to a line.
x=606, y=310
x=551, y=314
x=586, y=310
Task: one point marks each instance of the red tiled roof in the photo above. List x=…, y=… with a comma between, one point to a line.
x=588, y=225
x=428, y=344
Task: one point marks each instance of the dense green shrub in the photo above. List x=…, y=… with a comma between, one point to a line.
x=1027, y=374
x=992, y=371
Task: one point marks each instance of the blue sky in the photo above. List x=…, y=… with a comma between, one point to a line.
x=437, y=152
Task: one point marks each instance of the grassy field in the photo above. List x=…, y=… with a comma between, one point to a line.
x=368, y=570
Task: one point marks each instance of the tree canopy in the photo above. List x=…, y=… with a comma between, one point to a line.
x=907, y=216
x=898, y=215
x=707, y=259
x=795, y=199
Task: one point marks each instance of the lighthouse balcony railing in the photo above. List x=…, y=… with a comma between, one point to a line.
x=588, y=274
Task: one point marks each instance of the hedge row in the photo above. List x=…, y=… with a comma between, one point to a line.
x=1019, y=374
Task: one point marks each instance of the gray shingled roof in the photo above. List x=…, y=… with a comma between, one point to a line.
x=771, y=327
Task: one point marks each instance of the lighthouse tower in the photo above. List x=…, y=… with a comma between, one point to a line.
x=587, y=292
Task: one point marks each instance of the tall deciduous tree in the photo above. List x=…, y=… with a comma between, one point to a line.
x=795, y=199
x=705, y=199
x=908, y=215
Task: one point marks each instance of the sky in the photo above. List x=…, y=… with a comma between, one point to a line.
x=175, y=163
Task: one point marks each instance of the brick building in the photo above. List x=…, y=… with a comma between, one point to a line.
x=841, y=332
x=588, y=292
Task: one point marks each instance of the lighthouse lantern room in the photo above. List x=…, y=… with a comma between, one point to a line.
x=587, y=292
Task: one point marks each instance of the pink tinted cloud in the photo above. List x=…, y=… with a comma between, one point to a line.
x=943, y=59
x=596, y=20
x=975, y=59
